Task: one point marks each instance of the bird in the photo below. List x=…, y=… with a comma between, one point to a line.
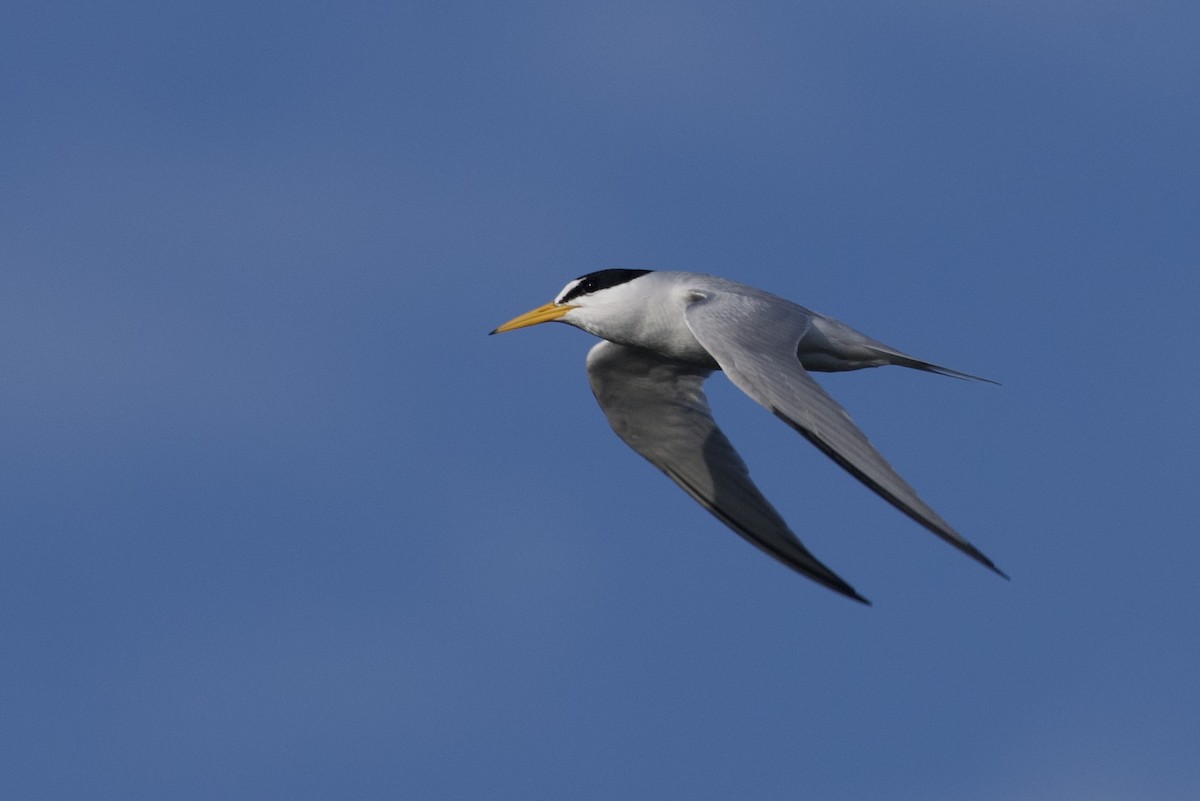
x=663, y=333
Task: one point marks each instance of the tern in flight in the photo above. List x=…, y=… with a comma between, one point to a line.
x=665, y=332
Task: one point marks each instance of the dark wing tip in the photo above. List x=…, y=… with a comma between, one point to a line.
x=978, y=556
x=855, y=596
x=815, y=571
x=833, y=583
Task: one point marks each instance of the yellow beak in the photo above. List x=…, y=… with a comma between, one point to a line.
x=542, y=314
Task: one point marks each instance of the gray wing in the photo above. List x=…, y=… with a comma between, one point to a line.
x=754, y=340
x=658, y=408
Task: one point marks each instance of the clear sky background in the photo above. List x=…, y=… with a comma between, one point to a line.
x=279, y=520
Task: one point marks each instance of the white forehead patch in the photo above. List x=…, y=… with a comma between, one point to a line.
x=566, y=289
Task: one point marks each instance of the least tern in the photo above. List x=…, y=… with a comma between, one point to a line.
x=665, y=332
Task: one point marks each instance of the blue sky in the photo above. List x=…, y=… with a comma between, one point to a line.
x=279, y=520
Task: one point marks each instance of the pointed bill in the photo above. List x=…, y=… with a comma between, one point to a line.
x=542, y=314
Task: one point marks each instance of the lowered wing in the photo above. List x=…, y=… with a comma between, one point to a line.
x=658, y=408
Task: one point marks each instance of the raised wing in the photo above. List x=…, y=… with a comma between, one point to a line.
x=658, y=408
x=754, y=340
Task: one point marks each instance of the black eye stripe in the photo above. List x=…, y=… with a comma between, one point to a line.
x=594, y=282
